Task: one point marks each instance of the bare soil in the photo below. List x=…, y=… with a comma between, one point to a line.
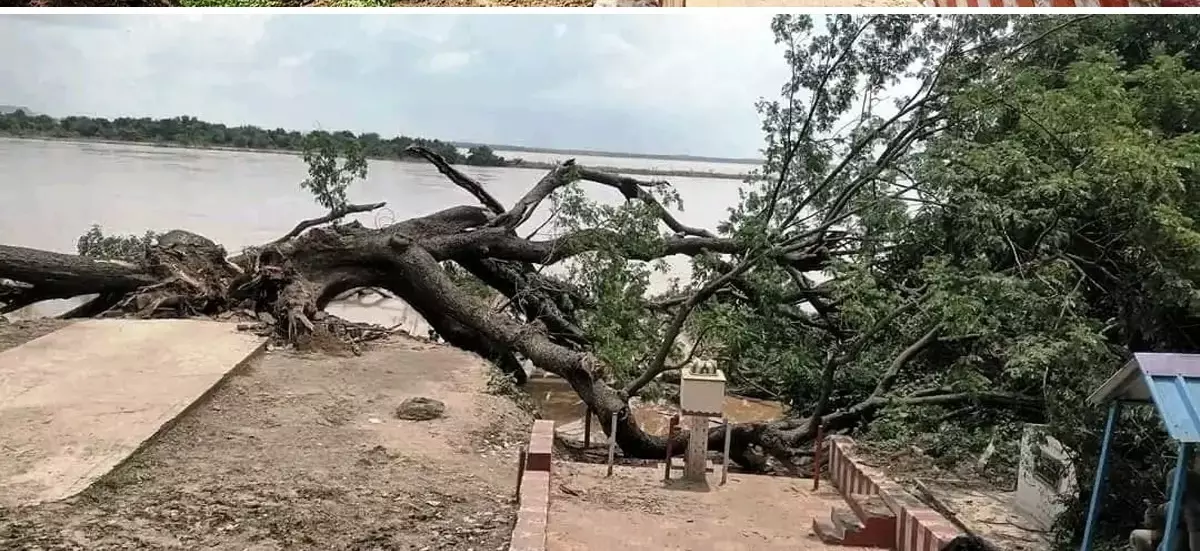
x=16, y=333
x=303, y=452
x=750, y=513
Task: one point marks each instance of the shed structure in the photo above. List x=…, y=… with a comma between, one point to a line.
x=1171, y=383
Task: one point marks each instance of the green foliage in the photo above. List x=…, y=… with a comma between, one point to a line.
x=191, y=132
x=482, y=155
x=130, y=248
x=1049, y=232
x=625, y=336
x=327, y=178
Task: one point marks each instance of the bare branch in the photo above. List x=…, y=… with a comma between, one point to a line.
x=461, y=180
x=681, y=316
x=889, y=378
x=524, y=208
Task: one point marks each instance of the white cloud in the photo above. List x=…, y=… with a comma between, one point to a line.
x=605, y=77
x=447, y=62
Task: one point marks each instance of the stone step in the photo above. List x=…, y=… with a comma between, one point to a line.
x=844, y=528
x=870, y=506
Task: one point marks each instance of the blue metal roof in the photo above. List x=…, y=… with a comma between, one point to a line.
x=1170, y=381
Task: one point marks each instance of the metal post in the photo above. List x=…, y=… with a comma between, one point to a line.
x=725, y=453
x=816, y=473
x=612, y=443
x=1183, y=462
x=587, y=429
x=671, y=427
x=1089, y=532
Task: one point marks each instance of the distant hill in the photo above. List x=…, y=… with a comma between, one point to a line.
x=663, y=157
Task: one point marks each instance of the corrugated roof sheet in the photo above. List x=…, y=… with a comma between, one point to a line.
x=1170, y=381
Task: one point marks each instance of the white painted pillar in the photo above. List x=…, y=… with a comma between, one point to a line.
x=695, y=462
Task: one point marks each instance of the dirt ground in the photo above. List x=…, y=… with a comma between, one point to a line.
x=16, y=333
x=635, y=510
x=303, y=452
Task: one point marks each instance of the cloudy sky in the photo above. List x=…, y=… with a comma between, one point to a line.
x=642, y=83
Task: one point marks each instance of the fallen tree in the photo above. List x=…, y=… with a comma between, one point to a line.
x=805, y=212
x=289, y=281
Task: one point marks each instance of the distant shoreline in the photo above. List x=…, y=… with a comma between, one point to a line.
x=522, y=164
x=613, y=154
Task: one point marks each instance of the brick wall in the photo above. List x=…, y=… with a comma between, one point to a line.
x=529, y=534
x=918, y=528
x=1034, y=3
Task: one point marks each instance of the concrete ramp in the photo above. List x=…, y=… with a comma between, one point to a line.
x=79, y=401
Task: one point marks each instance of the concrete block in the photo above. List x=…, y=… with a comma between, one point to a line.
x=76, y=403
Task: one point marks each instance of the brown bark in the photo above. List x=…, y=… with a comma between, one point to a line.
x=44, y=275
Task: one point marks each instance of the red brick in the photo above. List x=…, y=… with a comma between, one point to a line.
x=916, y=522
x=529, y=534
x=541, y=446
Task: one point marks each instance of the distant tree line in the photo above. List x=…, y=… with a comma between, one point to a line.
x=192, y=132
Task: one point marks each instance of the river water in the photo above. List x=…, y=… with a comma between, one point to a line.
x=51, y=192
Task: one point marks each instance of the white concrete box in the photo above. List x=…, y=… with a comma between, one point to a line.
x=1045, y=479
x=702, y=390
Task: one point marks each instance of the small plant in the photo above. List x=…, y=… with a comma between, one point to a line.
x=332, y=166
x=130, y=248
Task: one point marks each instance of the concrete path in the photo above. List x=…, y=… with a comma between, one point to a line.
x=79, y=401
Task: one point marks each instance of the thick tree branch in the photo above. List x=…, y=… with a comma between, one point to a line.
x=336, y=214
x=44, y=275
x=889, y=377
x=523, y=209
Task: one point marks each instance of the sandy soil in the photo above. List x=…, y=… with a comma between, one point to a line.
x=16, y=333
x=303, y=452
x=635, y=510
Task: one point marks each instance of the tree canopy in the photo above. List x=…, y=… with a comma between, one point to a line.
x=998, y=240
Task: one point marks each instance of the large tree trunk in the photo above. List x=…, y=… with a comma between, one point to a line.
x=42, y=275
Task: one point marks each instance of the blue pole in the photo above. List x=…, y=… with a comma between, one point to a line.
x=1183, y=462
x=1089, y=533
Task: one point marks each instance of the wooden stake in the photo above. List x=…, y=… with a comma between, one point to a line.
x=520, y=471
x=816, y=474
x=587, y=429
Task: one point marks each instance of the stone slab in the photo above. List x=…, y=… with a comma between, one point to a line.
x=76, y=403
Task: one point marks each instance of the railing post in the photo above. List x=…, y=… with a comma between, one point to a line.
x=671, y=427
x=520, y=471
x=725, y=453
x=612, y=443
